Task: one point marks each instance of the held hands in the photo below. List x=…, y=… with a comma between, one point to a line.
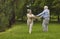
x=35, y=16
x=38, y=17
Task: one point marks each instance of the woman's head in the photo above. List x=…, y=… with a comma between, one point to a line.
x=29, y=11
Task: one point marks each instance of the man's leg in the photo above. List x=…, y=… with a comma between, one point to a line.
x=46, y=28
x=43, y=25
x=47, y=22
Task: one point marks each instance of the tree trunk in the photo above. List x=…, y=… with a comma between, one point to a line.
x=58, y=17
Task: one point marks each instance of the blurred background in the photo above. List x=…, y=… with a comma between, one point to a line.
x=12, y=11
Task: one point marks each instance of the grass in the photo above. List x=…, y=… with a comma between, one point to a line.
x=20, y=31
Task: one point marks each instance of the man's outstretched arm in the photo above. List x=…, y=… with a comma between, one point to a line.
x=41, y=13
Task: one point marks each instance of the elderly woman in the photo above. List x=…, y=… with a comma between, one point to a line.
x=30, y=18
x=46, y=16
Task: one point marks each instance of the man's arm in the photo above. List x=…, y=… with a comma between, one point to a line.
x=41, y=13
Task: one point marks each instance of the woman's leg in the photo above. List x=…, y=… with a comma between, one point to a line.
x=30, y=27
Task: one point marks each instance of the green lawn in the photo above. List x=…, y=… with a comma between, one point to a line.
x=20, y=31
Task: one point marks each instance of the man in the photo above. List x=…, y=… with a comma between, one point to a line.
x=30, y=18
x=46, y=16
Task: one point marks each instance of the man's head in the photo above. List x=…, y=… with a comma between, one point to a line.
x=45, y=7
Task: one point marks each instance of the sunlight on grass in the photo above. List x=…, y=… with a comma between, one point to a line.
x=20, y=31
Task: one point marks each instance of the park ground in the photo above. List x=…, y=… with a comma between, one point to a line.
x=20, y=31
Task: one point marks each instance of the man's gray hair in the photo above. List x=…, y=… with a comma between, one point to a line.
x=45, y=7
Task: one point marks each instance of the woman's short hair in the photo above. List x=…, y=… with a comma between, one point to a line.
x=28, y=10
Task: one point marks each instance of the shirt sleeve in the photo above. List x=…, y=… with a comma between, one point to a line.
x=41, y=13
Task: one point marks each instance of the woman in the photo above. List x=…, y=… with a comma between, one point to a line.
x=30, y=18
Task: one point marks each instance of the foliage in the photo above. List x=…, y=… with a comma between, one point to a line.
x=11, y=10
x=5, y=13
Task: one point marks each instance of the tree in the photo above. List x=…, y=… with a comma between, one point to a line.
x=56, y=6
x=6, y=14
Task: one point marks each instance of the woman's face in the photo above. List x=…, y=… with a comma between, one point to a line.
x=29, y=11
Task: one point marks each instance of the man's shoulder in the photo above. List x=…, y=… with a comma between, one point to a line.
x=46, y=10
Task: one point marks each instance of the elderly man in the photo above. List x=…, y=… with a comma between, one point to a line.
x=30, y=18
x=46, y=16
